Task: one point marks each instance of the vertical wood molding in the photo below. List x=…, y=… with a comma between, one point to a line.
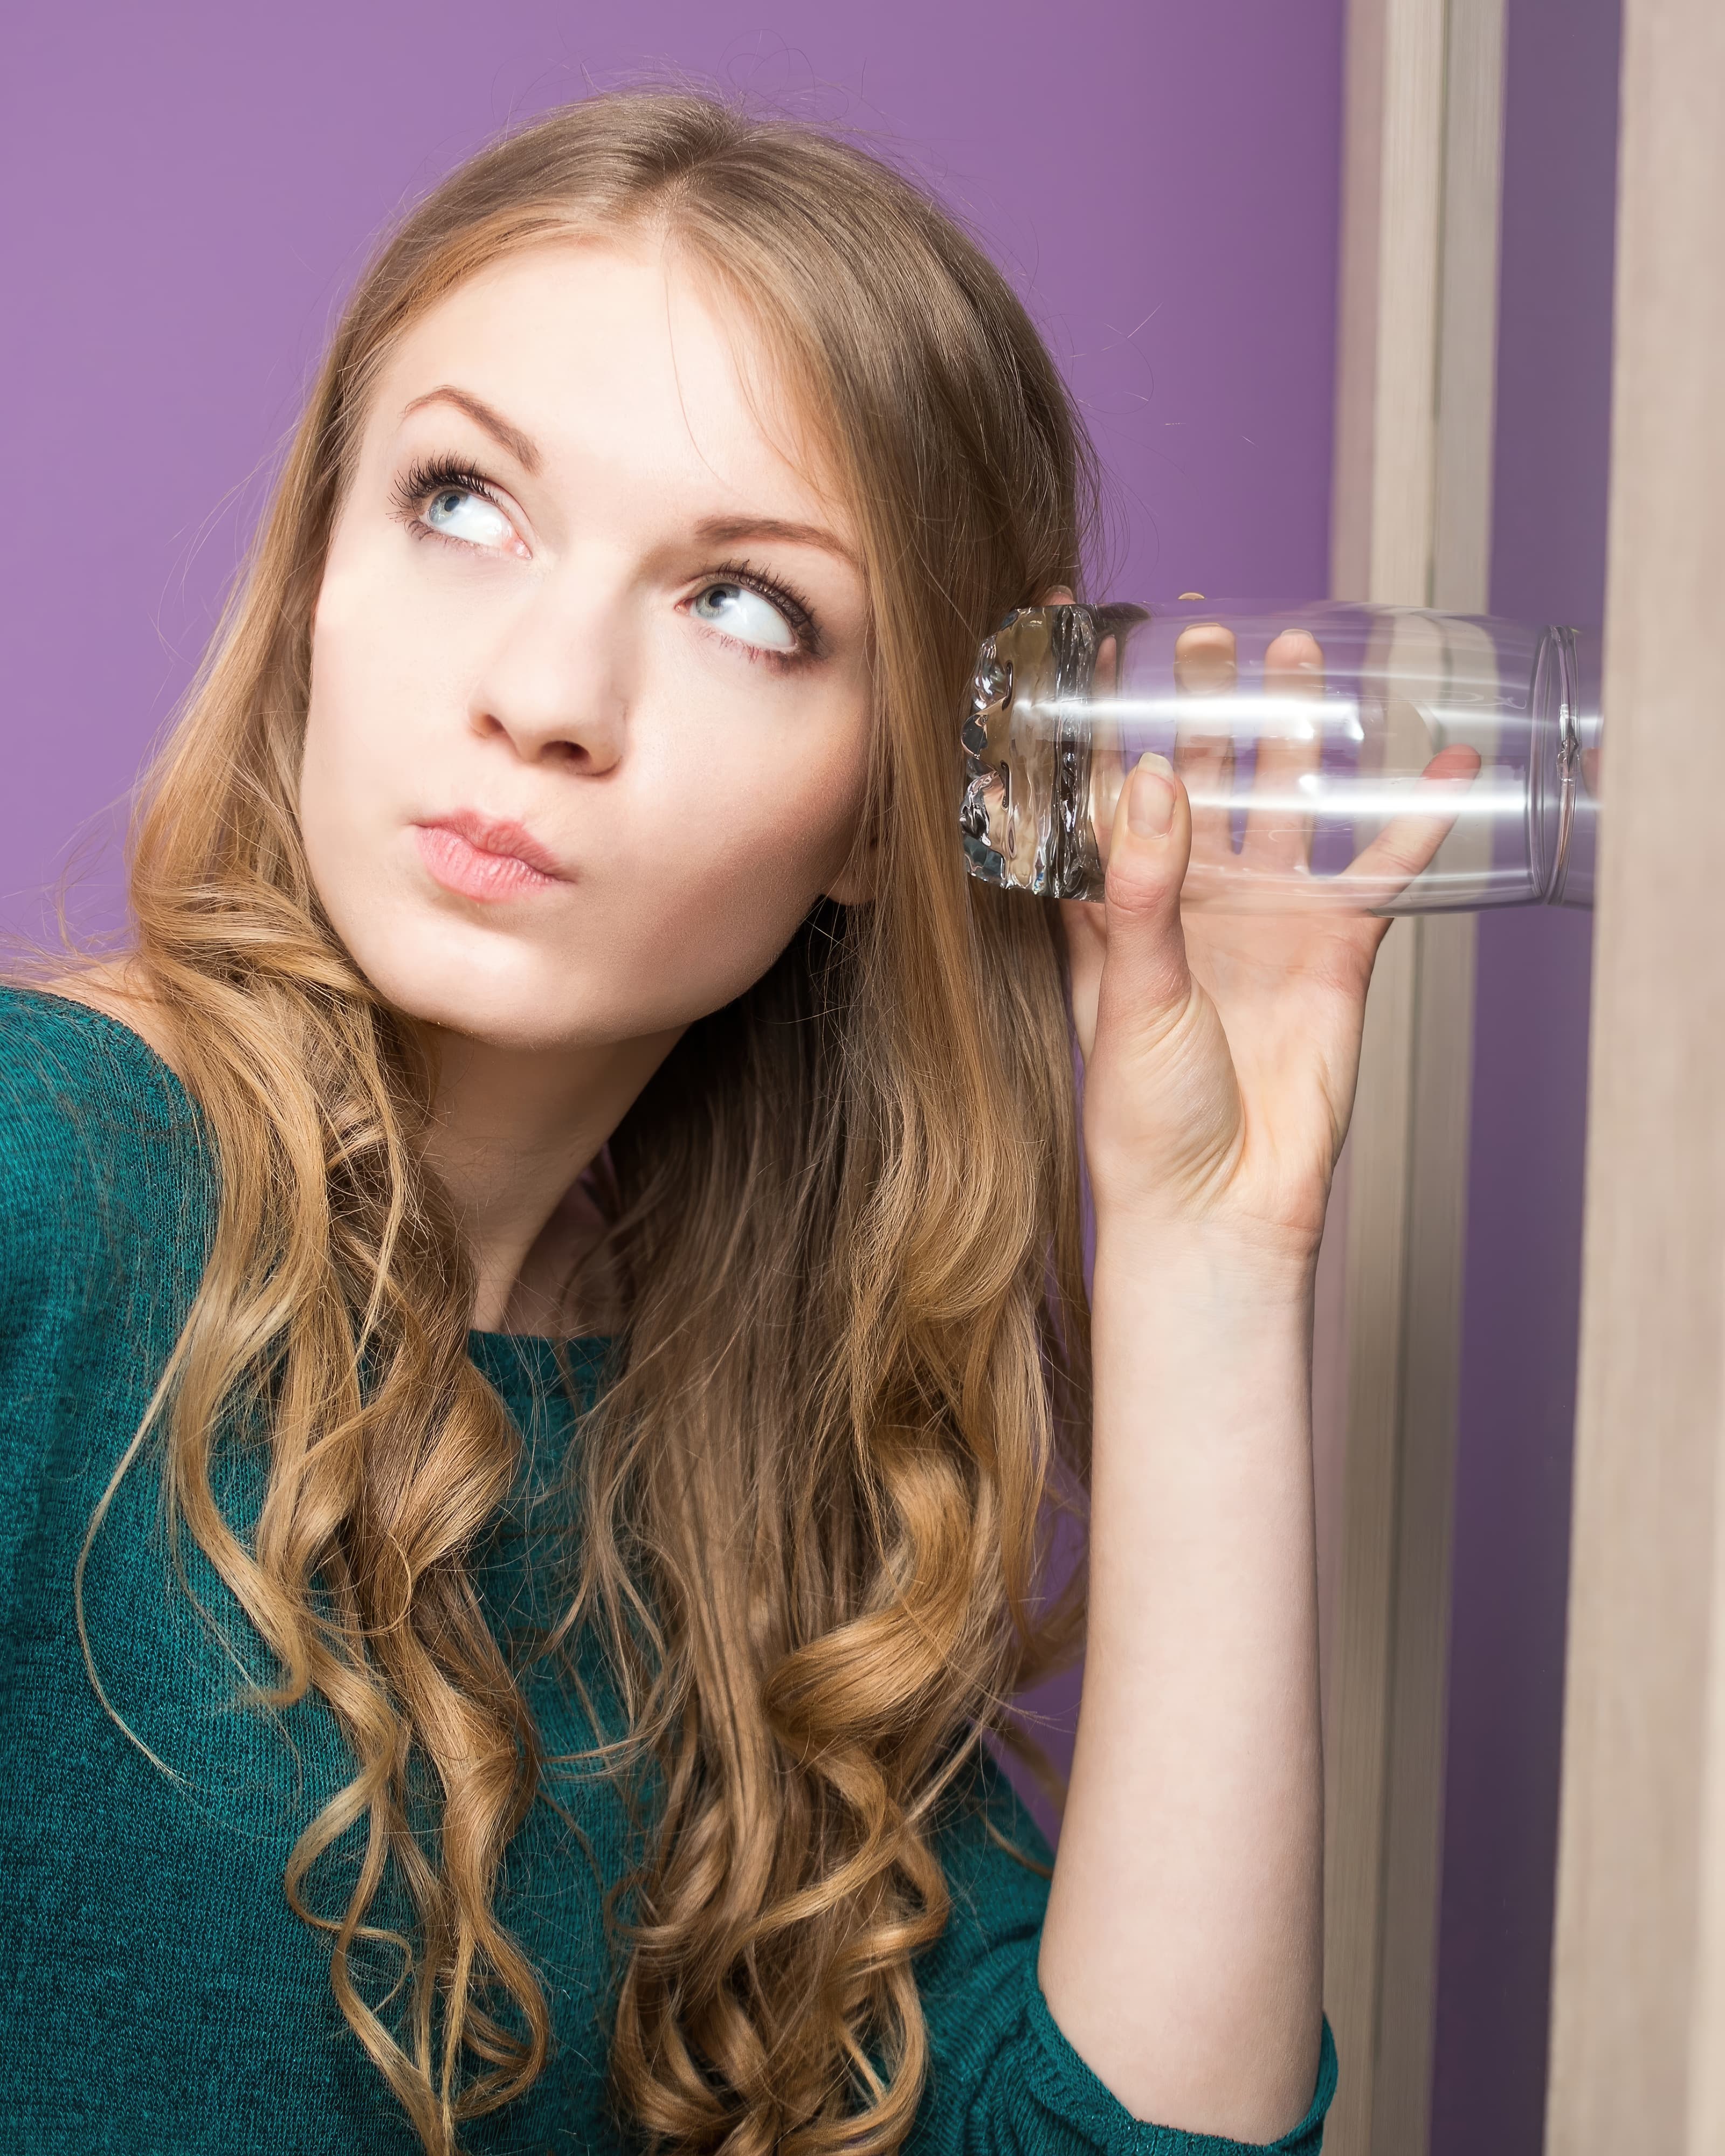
x=1467, y=314
x=1415, y=375
x=1638, y=2035
x=1363, y=1647
x=1440, y=1074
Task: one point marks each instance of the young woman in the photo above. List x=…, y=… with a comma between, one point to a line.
x=542, y=1324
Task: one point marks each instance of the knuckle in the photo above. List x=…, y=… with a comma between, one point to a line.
x=1136, y=887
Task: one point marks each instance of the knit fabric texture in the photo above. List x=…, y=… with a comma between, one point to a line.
x=162, y=1997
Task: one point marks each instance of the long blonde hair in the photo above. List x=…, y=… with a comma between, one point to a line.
x=844, y=1216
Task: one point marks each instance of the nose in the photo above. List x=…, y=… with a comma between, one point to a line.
x=557, y=683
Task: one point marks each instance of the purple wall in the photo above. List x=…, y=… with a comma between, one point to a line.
x=1525, y=1186
x=192, y=187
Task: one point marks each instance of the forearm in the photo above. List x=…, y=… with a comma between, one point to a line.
x=1182, y=1953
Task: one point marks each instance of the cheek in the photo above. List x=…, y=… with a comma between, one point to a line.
x=381, y=676
x=348, y=780
x=781, y=812
x=374, y=663
x=338, y=787
x=745, y=841
x=792, y=817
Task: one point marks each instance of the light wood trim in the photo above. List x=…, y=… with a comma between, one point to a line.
x=1416, y=367
x=1362, y=1683
x=1637, y=2037
x=1440, y=1074
x=1467, y=311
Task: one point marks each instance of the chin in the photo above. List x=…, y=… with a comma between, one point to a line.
x=587, y=991
x=484, y=1012
x=473, y=980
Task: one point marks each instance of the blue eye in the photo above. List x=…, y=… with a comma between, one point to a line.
x=736, y=611
x=459, y=513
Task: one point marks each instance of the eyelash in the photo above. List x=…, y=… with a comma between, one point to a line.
x=798, y=614
x=438, y=474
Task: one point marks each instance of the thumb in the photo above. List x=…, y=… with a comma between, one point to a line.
x=1162, y=1107
x=1145, y=980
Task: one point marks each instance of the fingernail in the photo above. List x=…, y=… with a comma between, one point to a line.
x=1150, y=806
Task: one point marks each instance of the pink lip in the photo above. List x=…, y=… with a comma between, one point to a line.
x=477, y=858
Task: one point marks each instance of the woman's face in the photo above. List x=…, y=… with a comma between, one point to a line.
x=590, y=698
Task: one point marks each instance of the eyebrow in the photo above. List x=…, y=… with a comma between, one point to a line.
x=728, y=530
x=521, y=447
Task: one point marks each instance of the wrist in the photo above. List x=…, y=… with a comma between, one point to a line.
x=1218, y=1337
x=1205, y=1263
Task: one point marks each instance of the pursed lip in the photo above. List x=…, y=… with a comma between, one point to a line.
x=497, y=835
x=485, y=857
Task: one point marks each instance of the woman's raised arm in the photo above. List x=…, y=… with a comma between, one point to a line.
x=1182, y=1955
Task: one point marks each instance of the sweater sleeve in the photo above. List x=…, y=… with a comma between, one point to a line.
x=1002, y=2080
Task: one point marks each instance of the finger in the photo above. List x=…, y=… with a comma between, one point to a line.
x=1408, y=844
x=1145, y=975
x=1278, y=830
x=1206, y=665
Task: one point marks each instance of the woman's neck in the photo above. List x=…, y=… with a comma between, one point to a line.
x=513, y=1132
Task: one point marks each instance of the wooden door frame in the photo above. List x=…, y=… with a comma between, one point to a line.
x=1638, y=2008
x=1411, y=522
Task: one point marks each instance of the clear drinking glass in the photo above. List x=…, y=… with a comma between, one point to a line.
x=1328, y=751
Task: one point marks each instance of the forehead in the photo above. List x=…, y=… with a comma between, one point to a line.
x=602, y=351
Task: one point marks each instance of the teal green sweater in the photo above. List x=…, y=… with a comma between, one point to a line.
x=159, y=1996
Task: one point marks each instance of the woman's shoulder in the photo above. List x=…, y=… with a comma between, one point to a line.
x=93, y=1124
x=89, y=1001
x=76, y=1043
